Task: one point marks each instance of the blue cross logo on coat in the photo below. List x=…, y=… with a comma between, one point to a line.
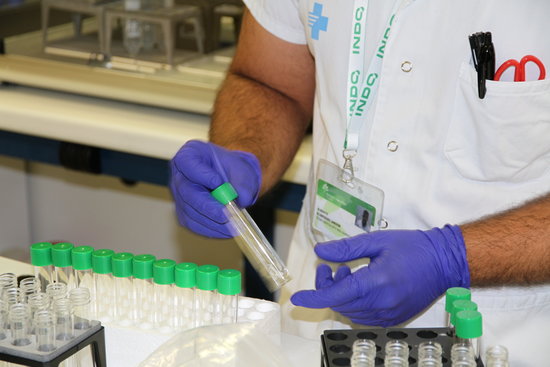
x=316, y=21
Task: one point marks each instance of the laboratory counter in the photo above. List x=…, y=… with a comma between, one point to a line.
x=128, y=348
x=127, y=128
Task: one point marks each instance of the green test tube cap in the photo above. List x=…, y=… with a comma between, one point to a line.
x=469, y=324
x=143, y=266
x=207, y=277
x=229, y=282
x=122, y=264
x=82, y=257
x=186, y=275
x=461, y=305
x=62, y=254
x=101, y=261
x=454, y=294
x=41, y=254
x=224, y=193
x=163, y=271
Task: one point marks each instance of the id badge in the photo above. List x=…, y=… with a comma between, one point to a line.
x=344, y=209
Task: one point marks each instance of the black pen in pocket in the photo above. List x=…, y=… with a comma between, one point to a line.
x=483, y=56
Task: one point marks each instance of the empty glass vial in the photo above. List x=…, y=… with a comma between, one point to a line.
x=396, y=361
x=462, y=352
x=3, y=319
x=430, y=349
x=41, y=259
x=19, y=321
x=229, y=287
x=64, y=323
x=29, y=286
x=207, y=294
x=63, y=264
x=185, y=280
x=56, y=291
x=44, y=330
x=143, y=291
x=366, y=347
x=430, y=362
x=397, y=348
x=163, y=275
x=497, y=356
x=80, y=301
x=469, y=329
x=124, y=291
x=12, y=296
x=7, y=281
x=361, y=360
x=104, y=287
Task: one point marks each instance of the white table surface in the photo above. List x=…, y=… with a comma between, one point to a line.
x=299, y=351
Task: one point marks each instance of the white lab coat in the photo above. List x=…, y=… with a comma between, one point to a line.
x=458, y=158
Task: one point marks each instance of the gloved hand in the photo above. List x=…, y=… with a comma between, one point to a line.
x=408, y=270
x=197, y=169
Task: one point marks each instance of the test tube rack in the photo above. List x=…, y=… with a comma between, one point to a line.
x=29, y=356
x=336, y=345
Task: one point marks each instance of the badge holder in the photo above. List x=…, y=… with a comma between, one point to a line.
x=344, y=206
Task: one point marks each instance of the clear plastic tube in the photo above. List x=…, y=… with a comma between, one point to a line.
x=38, y=302
x=123, y=297
x=257, y=249
x=28, y=287
x=186, y=308
x=7, y=281
x=45, y=274
x=206, y=302
x=143, y=303
x=229, y=306
x=12, y=296
x=65, y=275
x=462, y=352
x=56, y=291
x=80, y=301
x=44, y=330
x=396, y=361
x=3, y=319
x=103, y=311
x=496, y=356
x=429, y=362
x=64, y=322
x=430, y=349
x=164, y=307
x=19, y=320
x=397, y=348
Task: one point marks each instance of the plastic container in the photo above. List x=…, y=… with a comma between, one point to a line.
x=207, y=294
x=142, y=314
x=164, y=307
x=259, y=252
x=63, y=264
x=229, y=287
x=186, y=281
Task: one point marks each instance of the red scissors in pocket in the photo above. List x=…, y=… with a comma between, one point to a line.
x=519, y=74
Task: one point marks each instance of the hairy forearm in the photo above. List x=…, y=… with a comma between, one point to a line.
x=253, y=117
x=512, y=247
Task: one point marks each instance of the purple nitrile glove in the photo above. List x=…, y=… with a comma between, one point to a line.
x=200, y=167
x=409, y=269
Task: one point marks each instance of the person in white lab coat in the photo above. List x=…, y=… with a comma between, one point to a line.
x=456, y=188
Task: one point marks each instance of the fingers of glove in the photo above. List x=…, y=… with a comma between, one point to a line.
x=196, y=162
x=359, y=305
x=351, y=248
x=336, y=294
x=213, y=230
x=188, y=194
x=342, y=272
x=187, y=215
x=247, y=182
x=323, y=276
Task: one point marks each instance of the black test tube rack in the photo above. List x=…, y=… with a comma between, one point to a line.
x=29, y=355
x=336, y=345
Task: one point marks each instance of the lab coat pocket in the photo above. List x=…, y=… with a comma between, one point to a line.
x=503, y=137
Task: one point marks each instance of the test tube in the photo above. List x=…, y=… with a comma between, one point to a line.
x=469, y=329
x=38, y=302
x=64, y=322
x=164, y=309
x=229, y=287
x=63, y=264
x=251, y=240
x=56, y=291
x=122, y=275
x=44, y=331
x=185, y=279
x=143, y=291
x=80, y=302
x=41, y=259
x=29, y=286
x=3, y=319
x=7, y=281
x=104, y=288
x=451, y=295
x=19, y=321
x=206, y=294
x=81, y=257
